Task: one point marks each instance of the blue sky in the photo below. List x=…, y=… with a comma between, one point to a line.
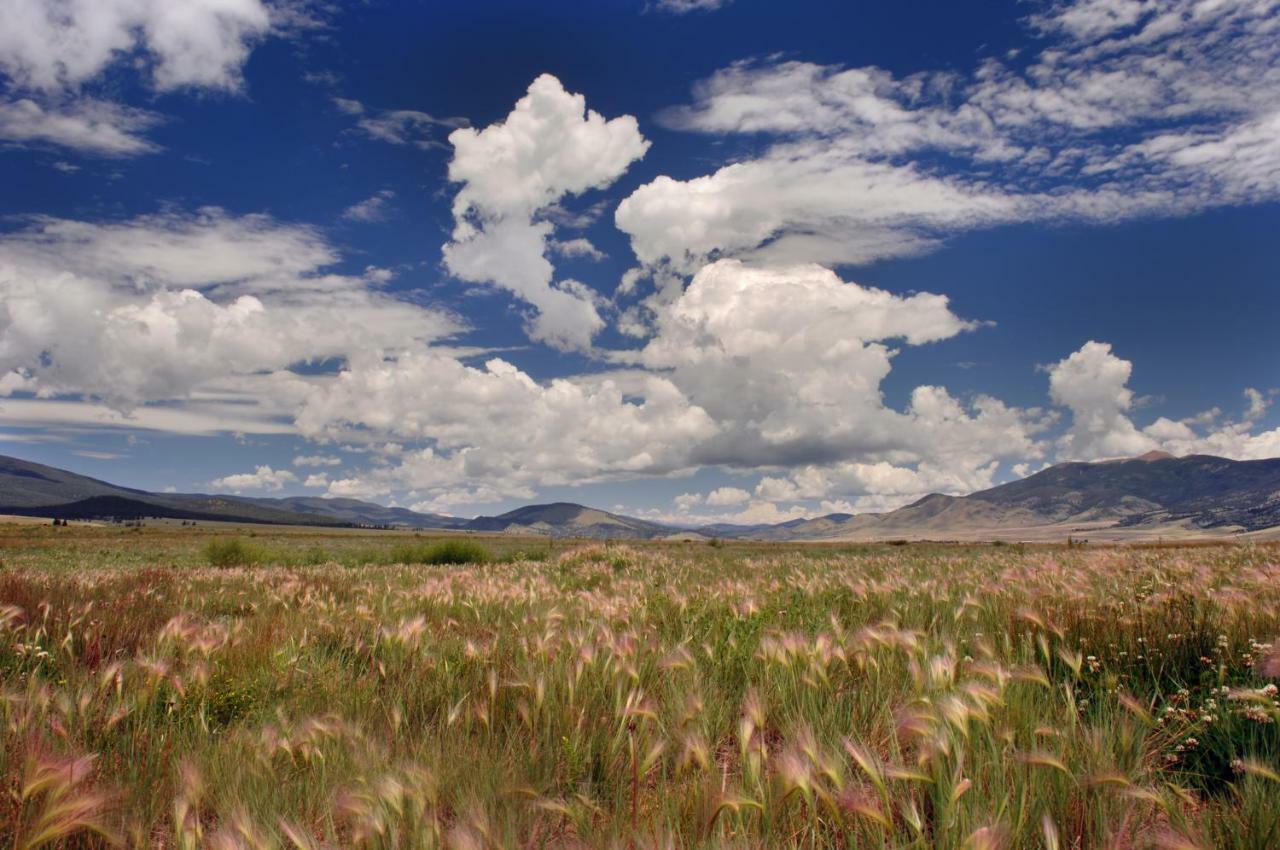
x=690, y=259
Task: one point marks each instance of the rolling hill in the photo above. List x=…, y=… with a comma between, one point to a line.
x=34, y=489
x=564, y=519
x=358, y=512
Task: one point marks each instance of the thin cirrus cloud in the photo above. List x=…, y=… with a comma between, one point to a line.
x=317, y=460
x=1127, y=109
x=88, y=125
x=398, y=126
x=684, y=7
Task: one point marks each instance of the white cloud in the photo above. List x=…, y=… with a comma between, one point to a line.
x=686, y=501
x=1093, y=383
x=1234, y=440
x=398, y=126
x=759, y=512
x=262, y=478
x=510, y=252
x=684, y=7
x=97, y=455
x=153, y=307
x=943, y=447
x=196, y=418
x=1091, y=19
x=514, y=171
x=498, y=426
x=197, y=43
x=808, y=202
x=349, y=106
x=50, y=49
x=191, y=322
x=207, y=248
x=1258, y=403
x=372, y=208
x=789, y=361
x=549, y=146
x=403, y=127
x=861, y=487
x=579, y=247
x=723, y=497
x=749, y=511
x=946, y=447
x=1128, y=109
x=317, y=460
x=91, y=126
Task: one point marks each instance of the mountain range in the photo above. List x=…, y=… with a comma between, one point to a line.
x=33, y=489
x=1155, y=494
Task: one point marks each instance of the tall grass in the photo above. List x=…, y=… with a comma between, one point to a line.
x=644, y=696
x=231, y=552
x=440, y=552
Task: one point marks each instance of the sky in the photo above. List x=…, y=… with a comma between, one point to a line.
x=692, y=260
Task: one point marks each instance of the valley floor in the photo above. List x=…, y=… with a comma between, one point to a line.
x=264, y=688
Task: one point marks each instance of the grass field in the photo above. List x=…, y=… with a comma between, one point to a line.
x=194, y=688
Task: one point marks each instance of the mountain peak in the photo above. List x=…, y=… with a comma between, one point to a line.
x=567, y=519
x=1154, y=454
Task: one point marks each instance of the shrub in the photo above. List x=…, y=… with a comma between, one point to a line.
x=441, y=552
x=315, y=556
x=230, y=553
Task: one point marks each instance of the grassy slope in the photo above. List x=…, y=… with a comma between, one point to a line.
x=661, y=694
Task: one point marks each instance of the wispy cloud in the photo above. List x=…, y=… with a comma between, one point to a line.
x=90, y=126
x=1128, y=109
x=399, y=126
x=97, y=455
x=684, y=7
x=371, y=209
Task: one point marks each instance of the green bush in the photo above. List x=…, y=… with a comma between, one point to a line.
x=230, y=553
x=315, y=556
x=440, y=552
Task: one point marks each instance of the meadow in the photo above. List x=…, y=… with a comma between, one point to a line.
x=191, y=688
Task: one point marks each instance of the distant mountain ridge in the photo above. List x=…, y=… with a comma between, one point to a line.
x=1149, y=493
x=34, y=489
x=1154, y=493
x=565, y=519
x=359, y=512
x=1207, y=491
